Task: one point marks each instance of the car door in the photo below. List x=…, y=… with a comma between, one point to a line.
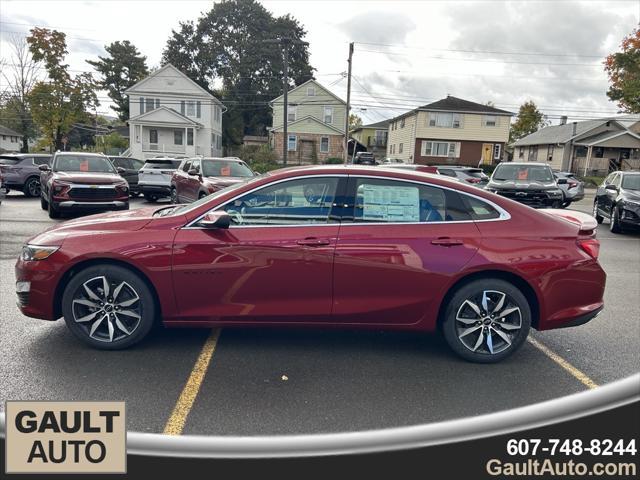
x=273, y=264
x=609, y=193
x=122, y=162
x=398, y=249
x=192, y=182
x=180, y=180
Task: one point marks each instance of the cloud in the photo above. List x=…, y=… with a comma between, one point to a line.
x=378, y=27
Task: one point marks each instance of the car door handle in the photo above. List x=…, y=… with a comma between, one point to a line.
x=313, y=242
x=446, y=242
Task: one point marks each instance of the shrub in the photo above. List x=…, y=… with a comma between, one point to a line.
x=333, y=160
x=592, y=181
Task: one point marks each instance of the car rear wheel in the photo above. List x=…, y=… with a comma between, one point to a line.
x=599, y=218
x=174, y=195
x=150, y=198
x=486, y=320
x=32, y=187
x=44, y=204
x=614, y=222
x=108, y=307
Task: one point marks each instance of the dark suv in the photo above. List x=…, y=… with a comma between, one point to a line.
x=526, y=182
x=618, y=199
x=82, y=181
x=131, y=166
x=20, y=172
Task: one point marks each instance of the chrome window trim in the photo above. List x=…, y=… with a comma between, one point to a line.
x=504, y=215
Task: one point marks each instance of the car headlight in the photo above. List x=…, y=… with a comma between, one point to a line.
x=37, y=252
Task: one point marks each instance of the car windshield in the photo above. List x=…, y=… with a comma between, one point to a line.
x=162, y=164
x=532, y=173
x=83, y=163
x=631, y=182
x=225, y=168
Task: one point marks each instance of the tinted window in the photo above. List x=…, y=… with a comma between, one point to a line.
x=186, y=166
x=83, y=163
x=137, y=164
x=41, y=160
x=447, y=172
x=294, y=202
x=631, y=182
x=9, y=160
x=535, y=173
x=121, y=162
x=225, y=168
x=162, y=164
x=392, y=201
x=479, y=209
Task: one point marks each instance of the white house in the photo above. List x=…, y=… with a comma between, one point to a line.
x=10, y=140
x=170, y=114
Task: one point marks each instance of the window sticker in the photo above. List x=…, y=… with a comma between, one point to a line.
x=390, y=203
x=225, y=171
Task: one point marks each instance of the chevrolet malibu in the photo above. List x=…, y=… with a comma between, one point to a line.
x=339, y=246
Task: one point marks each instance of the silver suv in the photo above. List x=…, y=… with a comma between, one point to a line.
x=154, y=178
x=20, y=172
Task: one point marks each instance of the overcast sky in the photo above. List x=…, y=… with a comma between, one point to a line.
x=406, y=54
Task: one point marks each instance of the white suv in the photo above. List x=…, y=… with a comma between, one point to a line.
x=154, y=178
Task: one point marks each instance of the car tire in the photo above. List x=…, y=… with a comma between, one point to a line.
x=202, y=195
x=599, y=218
x=614, y=221
x=31, y=187
x=174, y=195
x=54, y=212
x=472, y=332
x=566, y=204
x=94, y=318
x=43, y=203
x=150, y=198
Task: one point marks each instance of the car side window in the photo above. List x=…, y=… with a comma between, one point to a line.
x=186, y=166
x=295, y=202
x=41, y=160
x=195, y=165
x=393, y=201
x=478, y=209
x=617, y=180
x=609, y=179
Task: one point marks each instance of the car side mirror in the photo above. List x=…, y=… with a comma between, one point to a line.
x=120, y=170
x=611, y=187
x=215, y=220
x=44, y=167
x=562, y=181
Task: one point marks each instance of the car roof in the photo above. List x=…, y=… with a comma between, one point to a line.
x=629, y=172
x=525, y=164
x=82, y=154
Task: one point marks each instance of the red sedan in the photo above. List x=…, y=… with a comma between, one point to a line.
x=322, y=246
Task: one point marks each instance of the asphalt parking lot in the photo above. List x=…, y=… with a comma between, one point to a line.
x=275, y=381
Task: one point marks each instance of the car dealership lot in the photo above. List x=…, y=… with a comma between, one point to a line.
x=262, y=381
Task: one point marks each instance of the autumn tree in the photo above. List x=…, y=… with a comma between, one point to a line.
x=528, y=120
x=20, y=75
x=121, y=69
x=233, y=44
x=623, y=69
x=354, y=121
x=60, y=101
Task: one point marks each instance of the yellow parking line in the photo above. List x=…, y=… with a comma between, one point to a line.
x=581, y=376
x=178, y=417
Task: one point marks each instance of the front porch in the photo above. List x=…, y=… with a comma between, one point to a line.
x=606, y=152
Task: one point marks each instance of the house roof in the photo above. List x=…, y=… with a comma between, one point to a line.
x=383, y=125
x=308, y=117
x=604, y=136
x=315, y=82
x=148, y=116
x=456, y=105
x=560, y=133
x=7, y=131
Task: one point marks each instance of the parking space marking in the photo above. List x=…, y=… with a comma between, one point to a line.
x=575, y=372
x=183, y=406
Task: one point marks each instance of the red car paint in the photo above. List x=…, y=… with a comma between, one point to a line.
x=337, y=274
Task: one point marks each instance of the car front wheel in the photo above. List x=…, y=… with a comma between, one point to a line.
x=614, y=222
x=44, y=204
x=486, y=320
x=108, y=307
x=32, y=187
x=53, y=210
x=174, y=195
x=599, y=218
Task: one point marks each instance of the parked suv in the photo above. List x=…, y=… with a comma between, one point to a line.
x=527, y=182
x=472, y=175
x=82, y=181
x=20, y=172
x=131, y=167
x=618, y=199
x=573, y=189
x=198, y=177
x=154, y=178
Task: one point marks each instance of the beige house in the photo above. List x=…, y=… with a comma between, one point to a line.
x=449, y=131
x=373, y=138
x=315, y=124
x=592, y=147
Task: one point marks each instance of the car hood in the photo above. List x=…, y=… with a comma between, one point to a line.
x=521, y=185
x=126, y=221
x=633, y=195
x=88, y=178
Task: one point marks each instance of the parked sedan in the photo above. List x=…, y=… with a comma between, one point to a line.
x=82, y=182
x=131, y=166
x=198, y=177
x=322, y=246
x=472, y=175
x=572, y=187
x=20, y=172
x=618, y=199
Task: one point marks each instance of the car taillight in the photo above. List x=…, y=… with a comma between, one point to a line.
x=591, y=246
x=473, y=180
x=573, y=184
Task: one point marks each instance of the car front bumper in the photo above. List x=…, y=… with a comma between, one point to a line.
x=73, y=204
x=35, y=281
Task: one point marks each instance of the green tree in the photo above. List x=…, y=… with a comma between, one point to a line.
x=62, y=100
x=233, y=42
x=529, y=120
x=623, y=69
x=121, y=69
x=354, y=121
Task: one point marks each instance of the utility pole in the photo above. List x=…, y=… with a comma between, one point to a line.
x=285, y=42
x=346, y=121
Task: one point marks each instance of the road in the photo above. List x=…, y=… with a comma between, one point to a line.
x=276, y=381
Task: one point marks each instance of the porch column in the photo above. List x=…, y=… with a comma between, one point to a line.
x=588, y=161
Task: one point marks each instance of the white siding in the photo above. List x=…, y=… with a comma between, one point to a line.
x=404, y=135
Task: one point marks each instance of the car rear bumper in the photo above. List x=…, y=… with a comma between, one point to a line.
x=584, y=318
x=155, y=189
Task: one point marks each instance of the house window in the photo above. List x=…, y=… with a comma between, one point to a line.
x=182, y=107
x=198, y=108
x=311, y=91
x=521, y=152
x=402, y=123
x=533, y=153
x=150, y=104
x=400, y=147
x=328, y=114
x=191, y=110
x=444, y=119
x=581, y=152
x=292, y=143
x=438, y=149
x=490, y=120
x=157, y=103
x=153, y=136
x=177, y=137
x=550, y=150
x=324, y=144
x=291, y=113
x=141, y=105
x=497, y=150
x=190, y=136
x=598, y=152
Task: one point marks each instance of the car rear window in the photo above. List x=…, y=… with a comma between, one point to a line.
x=162, y=164
x=9, y=160
x=478, y=209
x=45, y=160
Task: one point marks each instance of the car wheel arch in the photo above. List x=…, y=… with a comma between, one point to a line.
x=92, y=262
x=523, y=285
